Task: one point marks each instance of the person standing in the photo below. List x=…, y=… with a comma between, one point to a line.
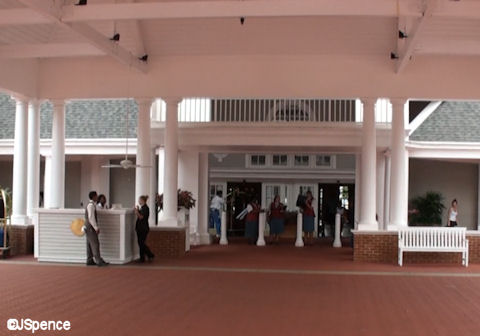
x=277, y=219
x=216, y=207
x=452, y=214
x=142, y=228
x=309, y=219
x=102, y=202
x=251, y=222
x=92, y=231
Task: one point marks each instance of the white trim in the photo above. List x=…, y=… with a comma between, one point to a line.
x=422, y=116
x=443, y=150
x=80, y=146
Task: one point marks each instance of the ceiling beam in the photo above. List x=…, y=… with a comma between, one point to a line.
x=21, y=16
x=95, y=38
x=405, y=53
x=251, y=8
x=48, y=50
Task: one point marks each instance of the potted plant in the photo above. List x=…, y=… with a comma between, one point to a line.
x=184, y=200
x=427, y=210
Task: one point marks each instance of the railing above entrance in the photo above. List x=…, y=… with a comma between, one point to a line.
x=280, y=110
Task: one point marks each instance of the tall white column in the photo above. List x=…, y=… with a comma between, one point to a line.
x=57, y=178
x=19, y=189
x=478, y=199
x=358, y=164
x=203, y=202
x=144, y=156
x=386, y=206
x=170, y=180
x=368, y=168
x=381, y=190
x=399, y=162
x=47, y=185
x=153, y=188
x=33, y=170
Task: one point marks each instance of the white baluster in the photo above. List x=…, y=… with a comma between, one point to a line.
x=261, y=229
x=223, y=229
x=337, y=242
x=299, y=241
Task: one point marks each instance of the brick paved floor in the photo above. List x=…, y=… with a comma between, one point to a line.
x=244, y=290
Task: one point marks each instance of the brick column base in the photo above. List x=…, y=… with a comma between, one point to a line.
x=167, y=241
x=21, y=239
x=383, y=247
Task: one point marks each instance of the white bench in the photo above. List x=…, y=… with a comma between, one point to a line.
x=432, y=239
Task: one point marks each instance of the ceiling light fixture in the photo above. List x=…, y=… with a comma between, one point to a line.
x=81, y=3
x=393, y=56
x=115, y=37
x=402, y=35
x=144, y=58
x=242, y=20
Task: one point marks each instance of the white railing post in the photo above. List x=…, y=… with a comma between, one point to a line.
x=261, y=229
x=337, y=242
x=299, y=241
x=223, y=229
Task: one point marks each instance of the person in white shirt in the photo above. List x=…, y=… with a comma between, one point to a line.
x=102, y=202
x=92, y=231
x=216, y=207
x=452, y=214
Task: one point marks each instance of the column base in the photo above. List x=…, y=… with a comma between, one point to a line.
x=21, y=239
x=367, y=226
x=167, y=241
x=168, y=222
x=204, y=239
x=20, y=220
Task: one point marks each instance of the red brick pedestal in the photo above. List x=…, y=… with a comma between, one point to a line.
x=167, y=241
x=21, y=239
x=382, y=246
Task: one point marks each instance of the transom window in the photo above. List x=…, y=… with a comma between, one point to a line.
x=258, y=160
x=323, y=160
x=280, y=160
x=302, y=160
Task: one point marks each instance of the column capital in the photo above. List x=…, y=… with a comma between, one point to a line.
x=368, y=100
x=58, y=102
x=144, y=101
x=19, y=99
x=398, y=101
x=172, y=100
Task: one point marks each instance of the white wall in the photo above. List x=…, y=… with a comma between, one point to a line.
x=122, y=187
x=73, y=184
x=453, y=180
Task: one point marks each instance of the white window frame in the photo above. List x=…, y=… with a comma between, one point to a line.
x=248, y=162
x=312, y=161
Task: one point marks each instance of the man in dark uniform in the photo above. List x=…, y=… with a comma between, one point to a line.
x=92, y=231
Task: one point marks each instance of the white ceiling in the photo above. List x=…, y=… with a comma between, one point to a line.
x=288, y=35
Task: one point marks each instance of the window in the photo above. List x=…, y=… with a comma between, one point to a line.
x=280, y=160
x=302, y=160
x=258, y=160
x=323, y=161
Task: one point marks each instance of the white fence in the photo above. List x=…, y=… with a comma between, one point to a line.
x=203, y=110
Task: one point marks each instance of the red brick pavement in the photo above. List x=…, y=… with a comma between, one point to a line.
x=168, y=298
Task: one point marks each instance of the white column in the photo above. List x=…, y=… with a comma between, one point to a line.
x=33, y=170
x=19, y=188
x=381, y=189
x=57, y=178
x=47, y=185
x=398, y=177
x=368, y=168
x=153, y=188
x=170, y=180
x=358, y=163
x=299, y=240
x=386, y=206
x=478, y=199
x=144, y=156
x=202, y=202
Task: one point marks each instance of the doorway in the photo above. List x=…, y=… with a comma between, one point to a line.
x=238, y=196
x=331, y=196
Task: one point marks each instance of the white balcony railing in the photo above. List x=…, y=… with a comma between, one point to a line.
x=281, y=110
